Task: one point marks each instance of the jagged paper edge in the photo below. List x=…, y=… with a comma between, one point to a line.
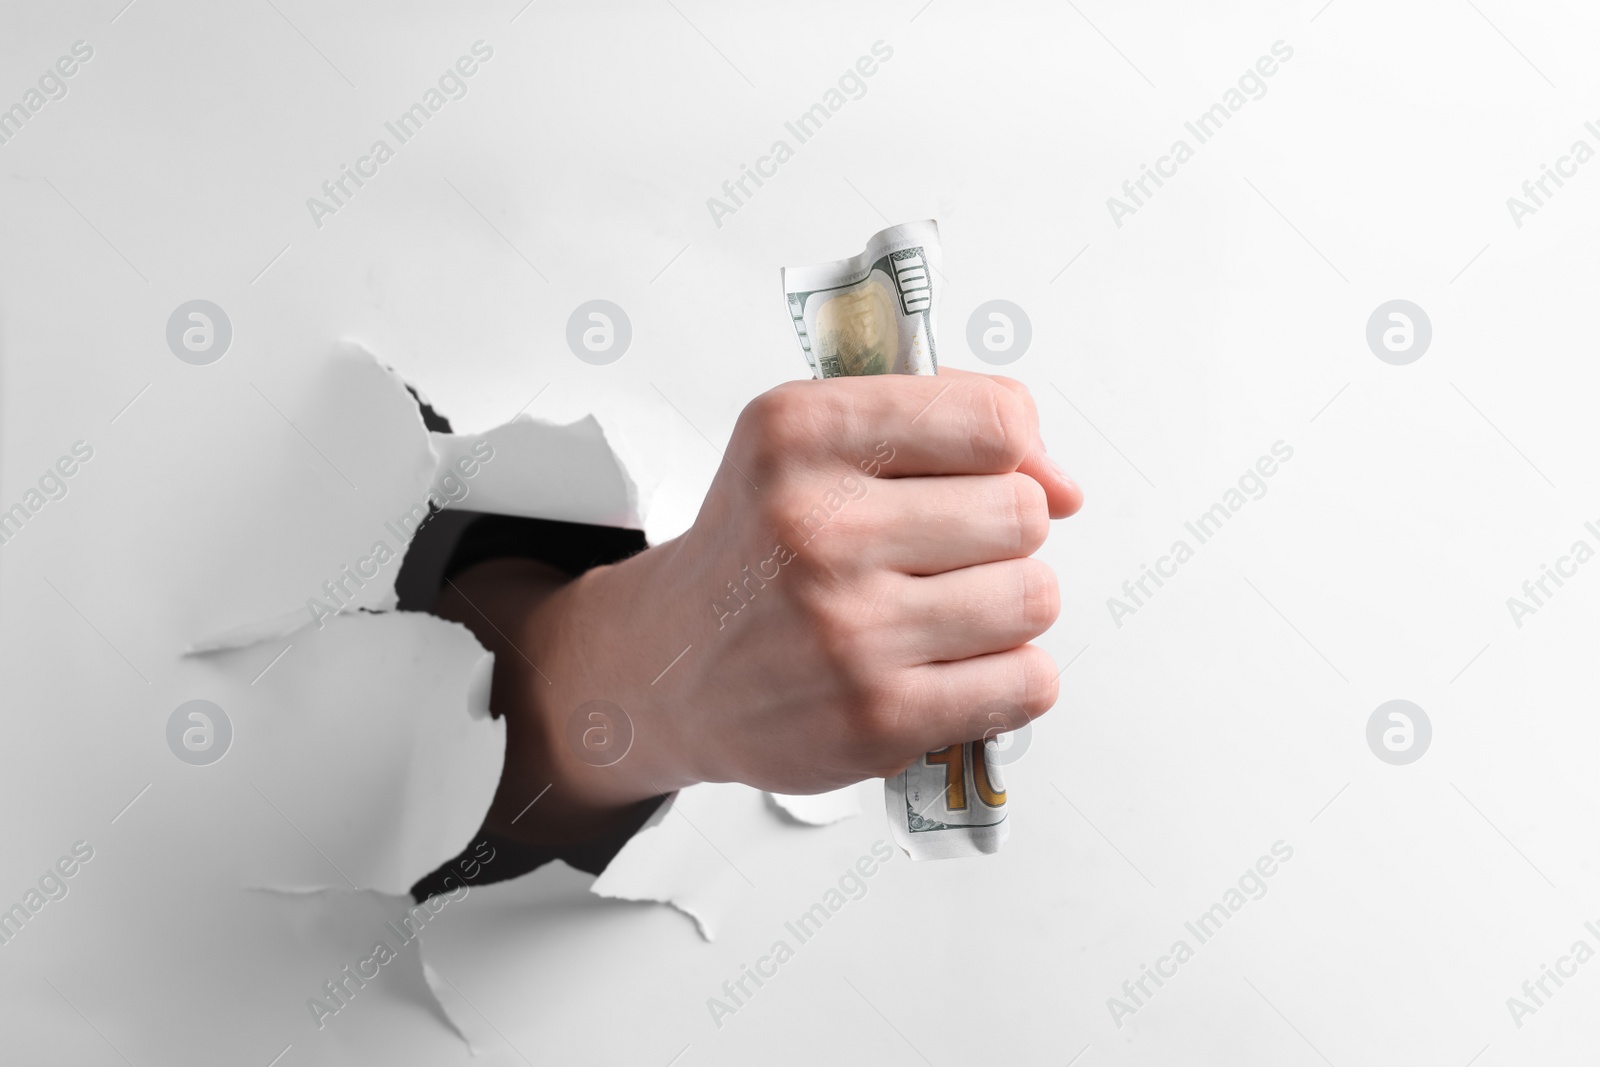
x=584, y=438
x=606, y=890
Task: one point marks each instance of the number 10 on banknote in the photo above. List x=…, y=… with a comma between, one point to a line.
x=874, y=314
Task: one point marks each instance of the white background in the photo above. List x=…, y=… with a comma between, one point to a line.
x=1229, y=313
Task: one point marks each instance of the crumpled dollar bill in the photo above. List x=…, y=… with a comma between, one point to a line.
x=874, y=314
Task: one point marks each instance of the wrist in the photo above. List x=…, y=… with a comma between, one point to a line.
x=612, y=735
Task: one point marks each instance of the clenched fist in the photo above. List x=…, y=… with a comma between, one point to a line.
x=859, y=580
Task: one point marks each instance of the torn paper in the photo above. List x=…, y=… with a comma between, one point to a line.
x=359, y=420
x=374, y=947
x=347, y=561
x=358, y=689
x=702, y=852
x=702, y=849
x=539, y=470
x=501, y=958
x=370, y=756
x=672, y=861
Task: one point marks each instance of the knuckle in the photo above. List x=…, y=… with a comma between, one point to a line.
x=778, y=510
x=880, y=718
x=778, y=424
x=870, y=689
x=1037, y=682
x=820, y=555
x=825, y=535
x=1000, y=430
x=846, y=636
x=815, y=601
x=1017, y=389
x=1028, y=513
x=782, y=504
x=1039, y=594
x=841, y=633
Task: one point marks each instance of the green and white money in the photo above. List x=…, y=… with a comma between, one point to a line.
x=874, y=314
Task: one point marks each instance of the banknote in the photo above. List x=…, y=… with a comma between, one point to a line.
x=874, y=314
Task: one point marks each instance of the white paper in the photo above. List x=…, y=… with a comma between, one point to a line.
x=821, y=809
x=544, y=471
x=536, y=468
x=369, y=756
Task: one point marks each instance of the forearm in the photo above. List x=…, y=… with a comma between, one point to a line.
x=559, y=644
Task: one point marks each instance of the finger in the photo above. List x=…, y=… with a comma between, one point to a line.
x=932, y=525
x=900, y=425
x=1062, y=492
x=976, y=611
x=949, y=696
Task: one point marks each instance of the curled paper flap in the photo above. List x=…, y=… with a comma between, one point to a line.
x=347, y=561
x=371, y=759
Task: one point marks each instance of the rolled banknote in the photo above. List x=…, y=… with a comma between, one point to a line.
x=874, y=314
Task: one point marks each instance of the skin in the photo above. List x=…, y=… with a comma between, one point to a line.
x=908, y=609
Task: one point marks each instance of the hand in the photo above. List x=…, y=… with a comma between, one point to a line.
x=857, y=583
